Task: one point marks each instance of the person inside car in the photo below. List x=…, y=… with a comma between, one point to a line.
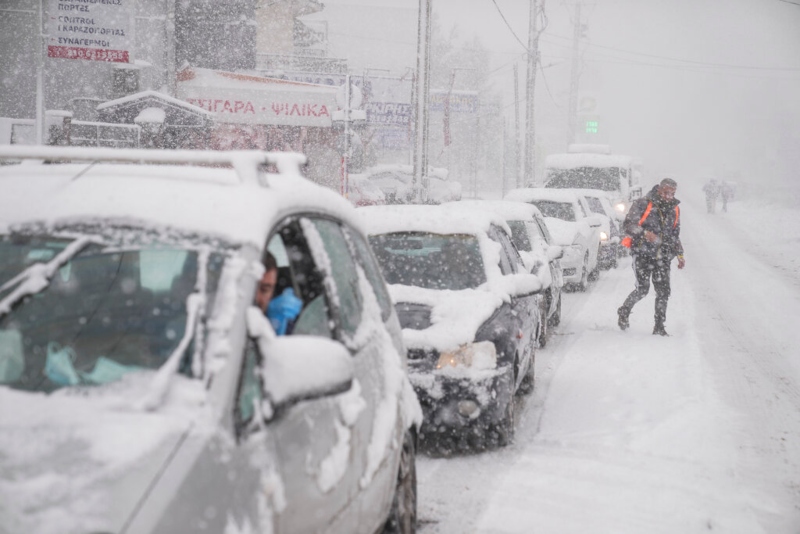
x=282, y=311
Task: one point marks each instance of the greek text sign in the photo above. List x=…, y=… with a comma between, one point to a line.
x=95, y=30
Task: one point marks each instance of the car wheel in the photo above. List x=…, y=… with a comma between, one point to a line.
x=403, y=515
x=528, y=381
x=584, y=274
x=504, y=429
x=542, y=330
x=555, y=319
x=595, y=273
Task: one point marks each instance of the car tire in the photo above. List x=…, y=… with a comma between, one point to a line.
x=555, y=319
x=403, y=514
x=595, y=273
x=504, y=429
x=584, y=283
x=541, y=338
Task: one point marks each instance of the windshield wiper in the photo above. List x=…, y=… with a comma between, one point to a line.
x=37, y=277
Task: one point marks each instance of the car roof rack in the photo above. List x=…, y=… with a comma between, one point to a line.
x=246, y=163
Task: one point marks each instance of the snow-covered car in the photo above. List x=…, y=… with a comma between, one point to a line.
x=530, y=235
x=396, y=182
x=364, y=192
x=572, y=226
x=599, y=203
x=469, y=313
x=141, y=388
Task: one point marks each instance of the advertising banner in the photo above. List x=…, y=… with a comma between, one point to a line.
x=244, y=99
x=94, y=30
x=460, y=101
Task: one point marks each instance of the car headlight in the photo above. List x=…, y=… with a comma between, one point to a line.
x=480, y=355
x=603, y=236
x=620, y=207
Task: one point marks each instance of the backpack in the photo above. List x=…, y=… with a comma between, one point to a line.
x=627, y=241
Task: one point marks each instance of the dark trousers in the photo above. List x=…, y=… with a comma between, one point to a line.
x=645, y=268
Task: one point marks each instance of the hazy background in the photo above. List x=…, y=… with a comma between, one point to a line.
x=693, y=87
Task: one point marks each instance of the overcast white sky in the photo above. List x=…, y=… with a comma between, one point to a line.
x=691, y=86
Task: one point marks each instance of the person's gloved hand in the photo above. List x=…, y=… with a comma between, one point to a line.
x=284, y=309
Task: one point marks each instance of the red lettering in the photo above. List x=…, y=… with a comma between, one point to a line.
x=216, y=103
x=295, y=109
x=227, y=107
x=312, y=110
x=238, y=106
x=248, y=108
x=323, y=112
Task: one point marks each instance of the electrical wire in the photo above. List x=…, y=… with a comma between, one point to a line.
x=510, y=28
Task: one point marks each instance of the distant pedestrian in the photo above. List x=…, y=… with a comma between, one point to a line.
x=726, y=192
x=711, y=189
x=653, y=224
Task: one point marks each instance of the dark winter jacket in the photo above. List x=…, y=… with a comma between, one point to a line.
x=663, y=220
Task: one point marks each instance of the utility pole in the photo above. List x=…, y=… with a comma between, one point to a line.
x=529, y=171
x=573, y=86
x=419, y=183
x=517, y=170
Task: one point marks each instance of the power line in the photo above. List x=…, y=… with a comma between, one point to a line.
x=509, y=27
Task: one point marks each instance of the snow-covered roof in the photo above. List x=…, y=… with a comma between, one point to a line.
x=136, y=97
x=434, y=219
x=195, y=76
x=574, y=161
x=236, y=204
x=540, y=193
x=509, y=210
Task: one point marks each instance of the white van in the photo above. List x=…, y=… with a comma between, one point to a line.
x=587, y=166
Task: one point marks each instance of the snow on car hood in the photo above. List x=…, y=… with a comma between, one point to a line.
x=79, y=461
x=456, y=315
x=563, y=232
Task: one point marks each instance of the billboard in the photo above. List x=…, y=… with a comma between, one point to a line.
x=94, y=30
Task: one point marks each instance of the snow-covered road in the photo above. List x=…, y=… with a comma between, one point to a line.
x=627, y=432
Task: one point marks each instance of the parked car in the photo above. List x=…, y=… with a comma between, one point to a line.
x=364, y=192
x=599, y=203
x=530, y=235
x=141, y=389
x=396, y=182
x=568, y=218
x=469, y=314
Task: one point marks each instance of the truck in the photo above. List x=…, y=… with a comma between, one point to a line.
x=588, y=166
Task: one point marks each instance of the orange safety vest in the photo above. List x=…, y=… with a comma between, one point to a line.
x=627, y=241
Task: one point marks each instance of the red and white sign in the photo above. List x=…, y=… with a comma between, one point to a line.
x=95, y=30
x=246, y=99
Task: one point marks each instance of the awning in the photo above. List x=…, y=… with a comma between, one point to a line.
x=245, y=99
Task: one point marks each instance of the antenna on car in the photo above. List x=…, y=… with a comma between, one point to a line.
x=246, y=163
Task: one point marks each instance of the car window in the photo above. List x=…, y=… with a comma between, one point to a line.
x=372, y=272
x=581, y=209
x=250, y=391
x=595, y=205
x=509, y=257
x=431, y=261
x=337, y=261
x=545, y=231
x=298, y=269
x=559, y=210
x=519, y=235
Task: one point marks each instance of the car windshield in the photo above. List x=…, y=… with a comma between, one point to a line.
x=603, y=178
x=431, y=261
x=105, y=312
x=519, y=235
x=558, y=210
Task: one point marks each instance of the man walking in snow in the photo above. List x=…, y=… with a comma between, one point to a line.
x=711, y=189
x=653, y=225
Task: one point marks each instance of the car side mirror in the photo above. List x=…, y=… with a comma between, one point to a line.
x=594, y=221
x=518, y=285
x=555, y=252
x=299, y=367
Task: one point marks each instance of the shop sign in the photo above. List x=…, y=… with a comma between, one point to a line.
x=94, y=30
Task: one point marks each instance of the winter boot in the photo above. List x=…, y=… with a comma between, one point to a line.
x=658, y=330
x=622, y=318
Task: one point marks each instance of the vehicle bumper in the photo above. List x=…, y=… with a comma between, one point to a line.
x=461, y=405
x=572, y=264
